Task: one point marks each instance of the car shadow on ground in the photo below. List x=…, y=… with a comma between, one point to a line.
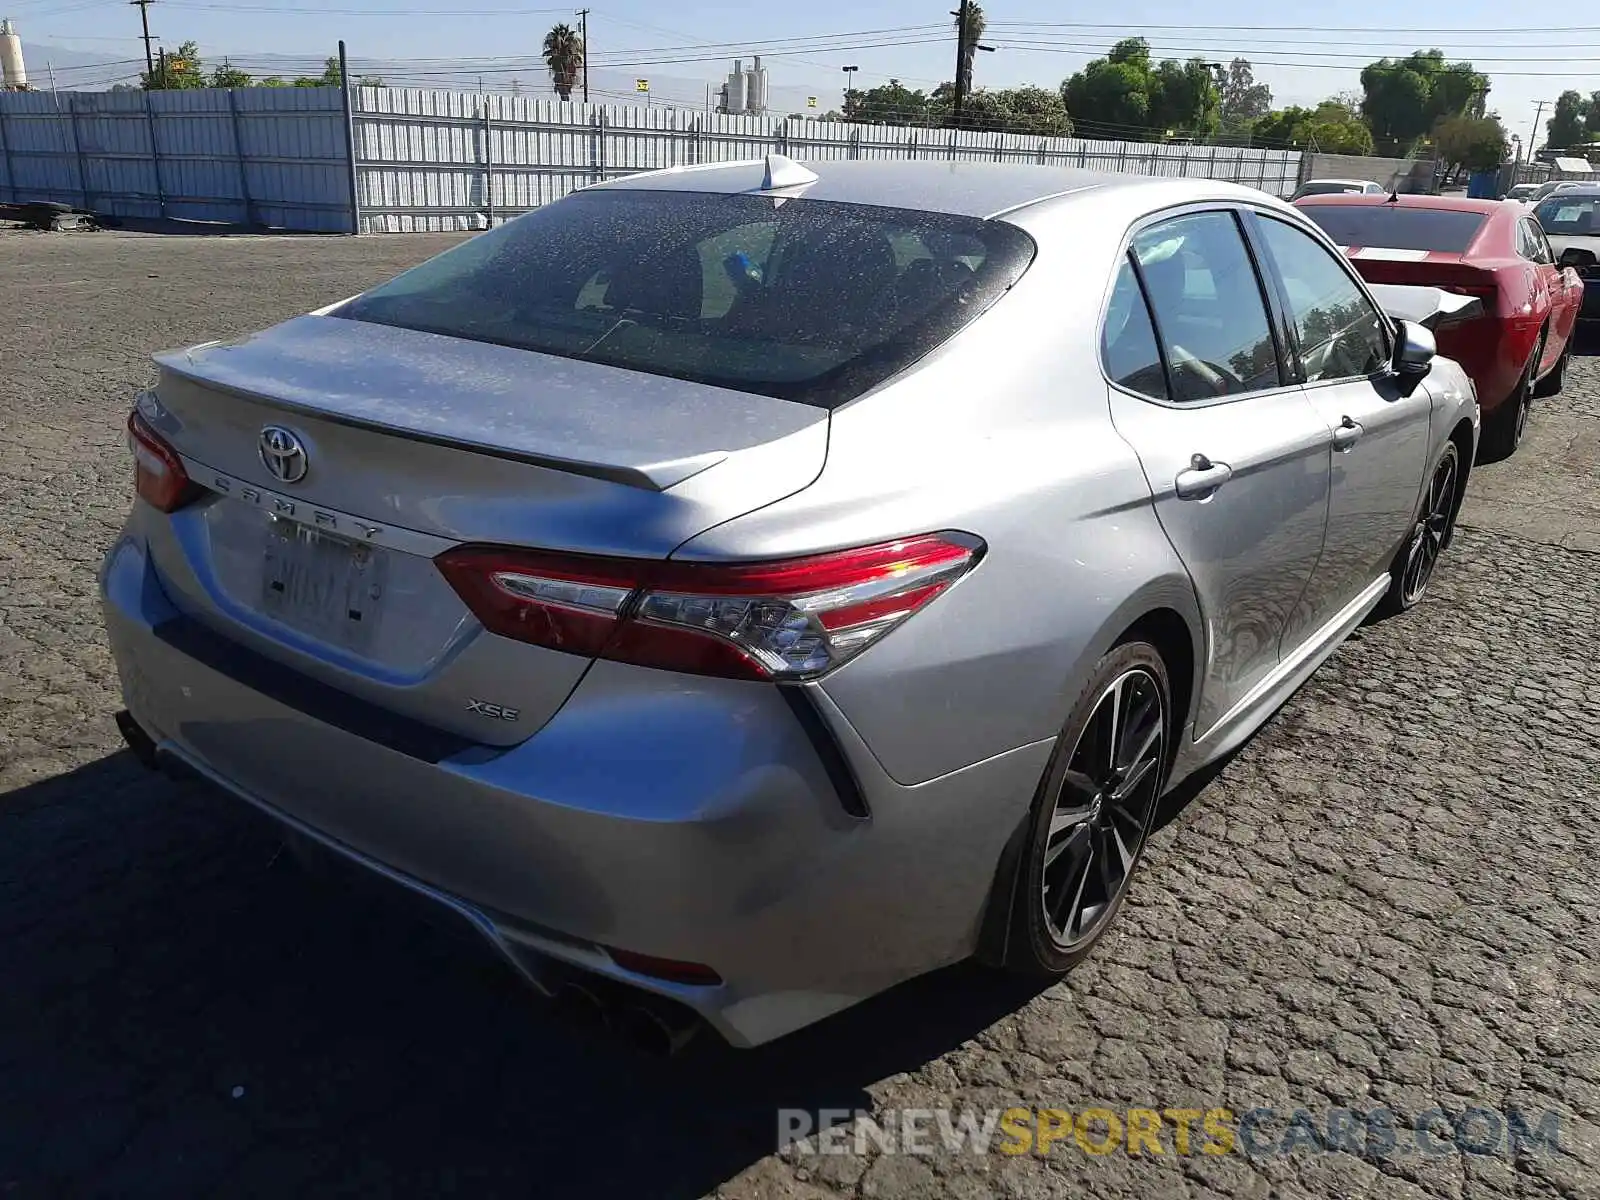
x=1586, y=339
x=186, y=1010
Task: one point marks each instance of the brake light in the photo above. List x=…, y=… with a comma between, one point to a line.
x=792, y=619
x=158, y=473
x=671, y=969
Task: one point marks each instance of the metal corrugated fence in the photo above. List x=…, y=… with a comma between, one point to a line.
x=258, y=156
x=425, y=160
x=462, y=160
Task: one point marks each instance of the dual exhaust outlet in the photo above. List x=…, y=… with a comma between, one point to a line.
x=658, y=1029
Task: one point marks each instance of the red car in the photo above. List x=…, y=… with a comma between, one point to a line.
x=1492, y=249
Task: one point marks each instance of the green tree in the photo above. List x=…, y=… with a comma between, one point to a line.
x=273, y=81
x=1243, y=100
x=1034, y=111
x=1184, y=97
x=1476, y=143
x=1114, y=90
x=563, y=55
x=1402, y=99
x=228, y=76
x=1335, y=129
x=1281, y=127
x=1566, y=125
x=1332, y=127
x=890, y=103
x=331, y=76
x=1126, y=92
x=180, y=70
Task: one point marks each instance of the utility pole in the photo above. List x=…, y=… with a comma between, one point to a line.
x=1533, y=137
x=144, y=19
x=964, y=37
x=961, y=62
x=583, y=36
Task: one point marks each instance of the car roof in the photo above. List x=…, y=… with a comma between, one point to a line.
x=974, y=189
x=1340, y=182
x=1452, y=203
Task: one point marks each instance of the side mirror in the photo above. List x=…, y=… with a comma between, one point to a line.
x=1414, y=352
x=1577, y=258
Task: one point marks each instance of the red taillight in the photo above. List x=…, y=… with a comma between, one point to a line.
x=793, y=619
x=158, y=473
x=564, y=602
x=670, y=969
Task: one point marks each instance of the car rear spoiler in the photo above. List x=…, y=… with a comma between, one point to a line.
x=1431, y=307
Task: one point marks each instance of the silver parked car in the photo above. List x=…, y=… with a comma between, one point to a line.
x=1338, y=187
x=734, y=590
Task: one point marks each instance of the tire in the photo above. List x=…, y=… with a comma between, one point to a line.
x=1552, y=383
x=1414, y=565
x=1087, y=864
x=1503, y=432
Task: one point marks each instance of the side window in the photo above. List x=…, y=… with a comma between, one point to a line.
x=1128, y=342
x=1541, y=245
x=1341, y=334
x=1207, y=303
x=1524, y=246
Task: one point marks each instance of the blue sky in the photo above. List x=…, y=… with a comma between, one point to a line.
x=428, y=41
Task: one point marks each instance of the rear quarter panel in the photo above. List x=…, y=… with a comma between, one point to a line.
x=1004, y=433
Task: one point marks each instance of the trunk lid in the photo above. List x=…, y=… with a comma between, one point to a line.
x=413, y=442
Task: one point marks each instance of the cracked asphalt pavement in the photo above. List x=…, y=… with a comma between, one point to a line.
x=1387, y=899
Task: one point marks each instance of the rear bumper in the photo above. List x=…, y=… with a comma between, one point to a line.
x=1494, y=352
x=688, y=819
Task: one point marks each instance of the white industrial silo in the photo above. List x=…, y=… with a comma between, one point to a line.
x=757, y=97
x=15, y=74
x=738, y=88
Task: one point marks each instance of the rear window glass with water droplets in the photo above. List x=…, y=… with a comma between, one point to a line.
x=812, y=301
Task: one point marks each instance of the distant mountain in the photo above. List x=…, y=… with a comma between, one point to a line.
x=76, y=70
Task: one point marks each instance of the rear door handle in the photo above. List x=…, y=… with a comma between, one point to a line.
x=1348, y=434
x=1202, y=479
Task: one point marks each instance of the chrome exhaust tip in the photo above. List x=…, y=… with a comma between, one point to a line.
x=656, y=1031
x=582, y=1006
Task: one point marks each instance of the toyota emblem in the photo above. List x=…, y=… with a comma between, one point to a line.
x=283, y=454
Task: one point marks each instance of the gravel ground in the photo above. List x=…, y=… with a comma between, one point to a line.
x=1387, y=899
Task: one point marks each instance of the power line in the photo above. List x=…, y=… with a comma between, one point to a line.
x=292, y=10
x=1430, y=31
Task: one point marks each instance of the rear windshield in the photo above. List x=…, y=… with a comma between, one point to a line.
x=1328, y=189
x=1569, y=213
x=801, y=299
x=1397, y=227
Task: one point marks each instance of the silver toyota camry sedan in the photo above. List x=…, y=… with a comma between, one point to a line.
x=734, y=590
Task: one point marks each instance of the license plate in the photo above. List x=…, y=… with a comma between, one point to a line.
x=325, y=586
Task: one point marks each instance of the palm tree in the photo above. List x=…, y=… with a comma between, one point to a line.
x=563, y=54
x=969, y=46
